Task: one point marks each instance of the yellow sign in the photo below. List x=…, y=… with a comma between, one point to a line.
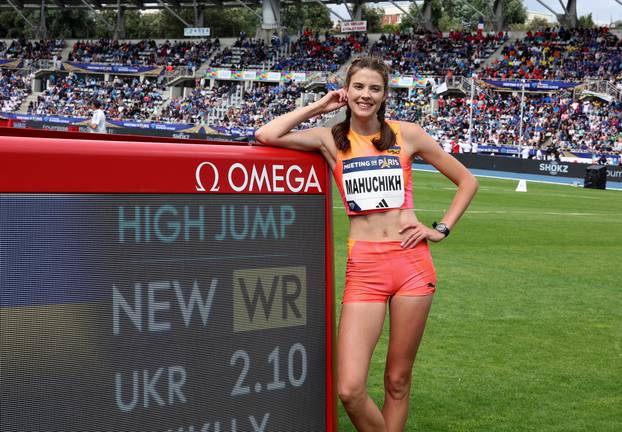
x=272, y=297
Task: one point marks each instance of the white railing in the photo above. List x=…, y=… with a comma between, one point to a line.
x=604, y=87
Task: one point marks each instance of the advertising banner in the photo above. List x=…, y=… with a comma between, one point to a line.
x=353, y=26
x=407, y=81
x=11, y=64
x=251, y=75
x=197, y=31
x=533, y=86
x=129, y=127
x=111, y=68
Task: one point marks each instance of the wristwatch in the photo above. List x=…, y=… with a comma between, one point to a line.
x=442, y=228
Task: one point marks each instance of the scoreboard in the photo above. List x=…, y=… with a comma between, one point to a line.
x=164, y=287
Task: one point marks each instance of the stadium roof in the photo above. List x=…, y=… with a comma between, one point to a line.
x=568, y=18
x=138, y=4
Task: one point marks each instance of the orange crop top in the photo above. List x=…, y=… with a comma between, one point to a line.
x=370, y=180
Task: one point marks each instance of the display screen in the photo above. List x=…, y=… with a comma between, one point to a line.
x=174, y=313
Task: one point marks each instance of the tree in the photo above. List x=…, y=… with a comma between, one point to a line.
x=586, y=21
x=299, y=16
x=536, y=23
x=390, y=28
x=447, y=23
x=60, y=23
x=373, y=16
x=142, y=25
x=513, y=11
x=231, y=21
x=69, y=23
x=102, y=24
x=414, y=11
x=13, y=26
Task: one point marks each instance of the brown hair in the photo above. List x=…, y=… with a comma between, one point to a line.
x=340, y=130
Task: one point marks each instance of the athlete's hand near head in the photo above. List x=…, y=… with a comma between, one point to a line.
x=278, y=132
x=333, y=100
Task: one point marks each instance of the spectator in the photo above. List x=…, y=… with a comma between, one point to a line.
x=98, y=120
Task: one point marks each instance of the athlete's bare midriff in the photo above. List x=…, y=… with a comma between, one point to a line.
x=381, y=226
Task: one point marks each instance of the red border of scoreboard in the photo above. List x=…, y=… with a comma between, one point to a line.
x=52, y=162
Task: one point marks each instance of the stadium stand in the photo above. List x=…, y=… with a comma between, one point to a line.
x=553, y=122
x=13, y=90
x=228, y=106
x=32, y=50
x=199, y=106
x=432, y=53
x=310, y=53
x=145, y=52
x=123, y=97
x=561, y=54
x=246, y=53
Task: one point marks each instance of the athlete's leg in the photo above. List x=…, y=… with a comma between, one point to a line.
x=408, y=315
x=359, y=329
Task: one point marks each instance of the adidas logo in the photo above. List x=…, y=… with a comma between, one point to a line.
x=382, y=204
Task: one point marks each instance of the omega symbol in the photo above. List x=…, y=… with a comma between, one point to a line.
x=199, y=186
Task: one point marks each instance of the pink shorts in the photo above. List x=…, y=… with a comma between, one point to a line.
x=377, y=271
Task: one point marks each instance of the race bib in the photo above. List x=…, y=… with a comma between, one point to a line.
x=373, y=182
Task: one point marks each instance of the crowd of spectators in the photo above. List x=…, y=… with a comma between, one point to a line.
x=263, y=101
x=432, y=53
x=552, y=123
x=199, y=105
x=122, y=98
x=14, y=89
x=311, y=52
x=32, y=50
x=145, y=52
x=214, y=106
x=246, y=53
x=409, y=104
x=560, y=54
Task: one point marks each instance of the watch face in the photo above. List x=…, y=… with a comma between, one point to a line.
x=442, y=228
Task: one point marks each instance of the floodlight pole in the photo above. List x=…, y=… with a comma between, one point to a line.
x=470, y=140
x=522, y=110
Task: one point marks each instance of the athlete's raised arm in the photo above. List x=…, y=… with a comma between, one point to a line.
x=278, y=132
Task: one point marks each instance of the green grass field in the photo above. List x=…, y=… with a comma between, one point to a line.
x=525, y=333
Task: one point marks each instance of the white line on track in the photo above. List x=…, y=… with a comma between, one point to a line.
x=514, y=177
x=549, y=213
